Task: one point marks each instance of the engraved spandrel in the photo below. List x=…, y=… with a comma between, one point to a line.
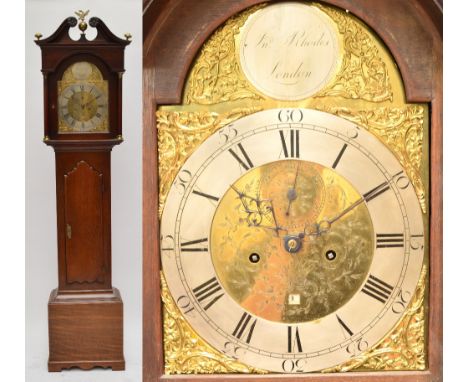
x=377, y=85
x=180, y=133
x=343, y=164
x=403, y=348
x=362, y=75
x=185, y=352
x=82, y=100
x=401, y=129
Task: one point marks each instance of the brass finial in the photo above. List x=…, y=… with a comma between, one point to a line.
x=128, y=36
x=38, y=36
x=81, y=16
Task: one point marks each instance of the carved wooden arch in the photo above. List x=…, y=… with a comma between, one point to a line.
x=175, y=30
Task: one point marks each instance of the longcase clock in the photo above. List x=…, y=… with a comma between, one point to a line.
x=82, y=109
x=292, y=191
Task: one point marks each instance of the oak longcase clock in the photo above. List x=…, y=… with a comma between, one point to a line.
x=82, y=108
x=292, y=191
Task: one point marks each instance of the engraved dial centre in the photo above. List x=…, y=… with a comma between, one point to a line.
x=82, y=106
x=302, y=271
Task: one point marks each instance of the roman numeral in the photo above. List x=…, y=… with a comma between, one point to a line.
x=390, y=240
x=208, y=292
x=294, y=341
x=243, y=329
x=344, y=326
x=338, y=158
x=188, y=246
x=380, y=189
x=199, y=193
x=246, y=163
x=377, y=289
x=291, y=150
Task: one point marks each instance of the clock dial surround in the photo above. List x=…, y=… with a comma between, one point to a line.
x=421, y=78
x=386, y=192
x=83, y=100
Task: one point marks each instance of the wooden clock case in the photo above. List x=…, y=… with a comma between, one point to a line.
x=85, y=311
x=174, y=31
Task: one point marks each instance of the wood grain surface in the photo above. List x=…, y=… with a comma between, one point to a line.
x=85, y=311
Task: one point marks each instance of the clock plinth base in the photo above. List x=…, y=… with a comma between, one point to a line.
x=86, y=331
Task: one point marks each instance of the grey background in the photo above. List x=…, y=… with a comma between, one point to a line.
x=121, y=16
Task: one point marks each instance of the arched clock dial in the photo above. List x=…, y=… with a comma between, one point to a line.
x=83, y=105
x=292, y=240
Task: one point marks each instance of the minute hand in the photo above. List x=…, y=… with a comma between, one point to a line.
x=346, y=210
x=381, y=188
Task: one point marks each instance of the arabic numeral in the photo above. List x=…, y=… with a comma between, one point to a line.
x=167, y=243
x=231, y=350
x=227, y=133
x=290, y=115
x=182, y=180
x=293, y=365
x=417, y=242
x=185, y=305
x=401, y=181
x=402, y=299
x=357, y=347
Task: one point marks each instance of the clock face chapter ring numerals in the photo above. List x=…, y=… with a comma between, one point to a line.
x=83, y=100
x=293, y=237
x=82, y=107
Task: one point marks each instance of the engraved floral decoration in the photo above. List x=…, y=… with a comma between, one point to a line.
x=363, y=73
x=185, y=352
x=262, y=288
x=403, y=348
x=216, y=76
x=401, y=129
x=180, y=133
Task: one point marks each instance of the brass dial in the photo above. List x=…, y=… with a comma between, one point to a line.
x=287, y=240
x=274, y=250
x=82, y=100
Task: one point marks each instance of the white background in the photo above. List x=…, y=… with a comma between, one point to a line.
x=121, y=16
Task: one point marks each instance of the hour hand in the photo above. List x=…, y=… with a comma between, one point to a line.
x=257, y=210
